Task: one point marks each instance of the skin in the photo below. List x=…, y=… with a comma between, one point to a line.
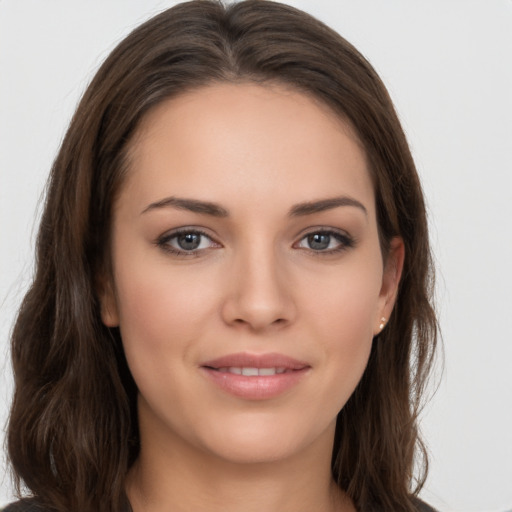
x=254, y=285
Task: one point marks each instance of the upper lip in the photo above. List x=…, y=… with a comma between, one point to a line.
x=245, y=360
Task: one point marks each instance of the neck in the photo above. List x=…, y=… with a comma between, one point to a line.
x=181, y=478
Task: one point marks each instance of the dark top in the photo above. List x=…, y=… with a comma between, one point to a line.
x=30, y=505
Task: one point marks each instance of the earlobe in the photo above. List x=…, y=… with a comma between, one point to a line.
x=392, y=274
x=108, y=303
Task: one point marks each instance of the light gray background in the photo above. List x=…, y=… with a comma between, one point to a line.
x=448, y=66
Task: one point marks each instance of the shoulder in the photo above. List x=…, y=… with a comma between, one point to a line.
x=25, y=505
x=32, y=505
x=421, y=506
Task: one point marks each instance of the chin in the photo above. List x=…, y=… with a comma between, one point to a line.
x=255, y=452
x=256, y=441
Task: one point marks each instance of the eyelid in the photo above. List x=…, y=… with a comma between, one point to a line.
x=346, y=241
x=163, y=240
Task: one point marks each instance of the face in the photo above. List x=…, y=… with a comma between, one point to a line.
x=248, y=280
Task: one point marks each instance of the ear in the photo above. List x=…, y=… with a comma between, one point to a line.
x=108, y=302
x=393, y=266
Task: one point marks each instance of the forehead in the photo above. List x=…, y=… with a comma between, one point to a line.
x=231, y=140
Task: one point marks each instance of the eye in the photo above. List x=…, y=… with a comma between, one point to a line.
x=325, y=241
x=186, y=242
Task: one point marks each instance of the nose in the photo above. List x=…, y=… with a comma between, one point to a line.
x=260, y=295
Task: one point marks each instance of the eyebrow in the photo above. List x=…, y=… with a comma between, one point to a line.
x=215, y=210
x=310, y=207
x=192, y=205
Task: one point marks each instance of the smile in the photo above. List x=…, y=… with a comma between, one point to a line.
x=252, y=372
x=255, y=376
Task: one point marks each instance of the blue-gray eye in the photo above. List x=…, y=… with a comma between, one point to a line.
x=326, y=242
x=188, y=241
x=319, y=241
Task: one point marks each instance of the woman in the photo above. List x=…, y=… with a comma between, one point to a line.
x=231, y=308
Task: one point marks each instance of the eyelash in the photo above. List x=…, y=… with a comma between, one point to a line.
x=344, y=240
x=163, y=242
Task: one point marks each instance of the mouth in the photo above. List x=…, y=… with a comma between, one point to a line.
x=255, y=377
x=274, y=362
x=251, y=371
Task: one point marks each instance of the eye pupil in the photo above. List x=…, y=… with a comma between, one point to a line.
x=319, y=241
x=189, y=241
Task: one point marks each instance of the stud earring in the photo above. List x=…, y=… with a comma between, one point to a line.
x=382, y=323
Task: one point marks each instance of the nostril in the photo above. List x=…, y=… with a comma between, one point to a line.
x=258, y=307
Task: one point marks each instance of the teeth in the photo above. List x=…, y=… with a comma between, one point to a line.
x=251, y=372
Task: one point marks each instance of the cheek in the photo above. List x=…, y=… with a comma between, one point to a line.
x=346, y=304
x=343, y=316
x=162, y=313
x=160, y=309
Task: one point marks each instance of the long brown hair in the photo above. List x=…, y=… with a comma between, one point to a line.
x=73, y=433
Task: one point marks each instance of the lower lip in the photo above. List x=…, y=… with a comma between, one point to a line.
x=260, y=387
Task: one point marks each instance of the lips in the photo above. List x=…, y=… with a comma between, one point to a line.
x=255, y=377
x=252, y=371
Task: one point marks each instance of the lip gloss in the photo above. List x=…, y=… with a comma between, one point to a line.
x=255, y=377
